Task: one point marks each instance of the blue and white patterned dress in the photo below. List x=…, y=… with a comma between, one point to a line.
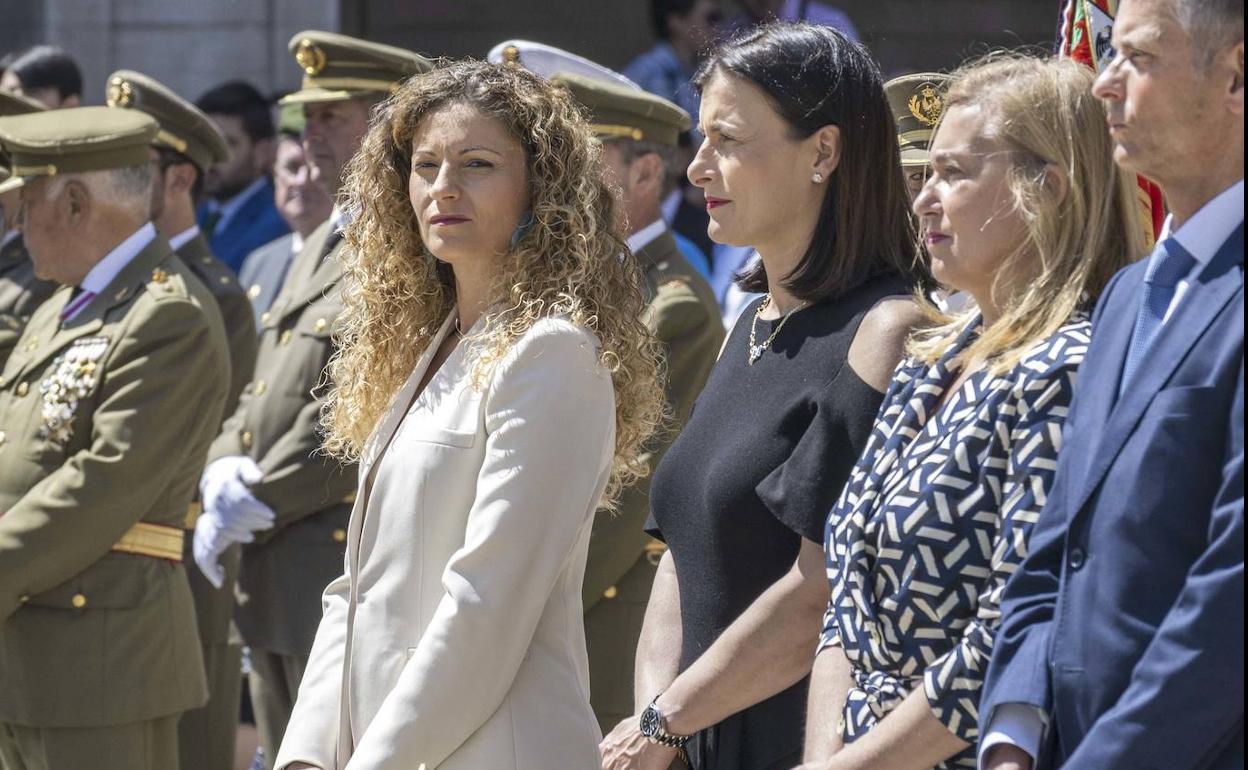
x=933, y=521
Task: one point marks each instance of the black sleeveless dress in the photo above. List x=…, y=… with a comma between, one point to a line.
x=758, y=466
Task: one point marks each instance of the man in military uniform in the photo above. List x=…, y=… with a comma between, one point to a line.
x=267, y=484
x=916, y=101
x=20, y=291
x=107, y=407
x=186, y=144
x=639, y=132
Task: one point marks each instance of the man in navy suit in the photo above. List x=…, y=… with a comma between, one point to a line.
x=1122, y=638
x=239, y=214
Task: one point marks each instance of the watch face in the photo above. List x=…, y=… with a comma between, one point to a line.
x=650, y=722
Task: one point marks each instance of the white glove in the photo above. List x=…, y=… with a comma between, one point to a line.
x=224, y=490
x=210, y=541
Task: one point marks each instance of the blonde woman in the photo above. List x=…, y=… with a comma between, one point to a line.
x=496, y=384
x=1026, y=212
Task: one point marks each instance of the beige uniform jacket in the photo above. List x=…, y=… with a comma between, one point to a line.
x=455, y=637
x=276, y=424
x=683, y=316
x=20, y=293
x=104, y=422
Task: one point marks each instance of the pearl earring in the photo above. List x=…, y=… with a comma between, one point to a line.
x=817, y=178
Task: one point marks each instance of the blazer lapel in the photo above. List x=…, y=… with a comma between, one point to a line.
x=1208, y=294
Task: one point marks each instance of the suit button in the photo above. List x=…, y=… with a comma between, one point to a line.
x=1076, y=558
x=611, y=593
x=247, y=439
x=340, y=535
x=22, y=389
x=260, y=387
x=79, y=601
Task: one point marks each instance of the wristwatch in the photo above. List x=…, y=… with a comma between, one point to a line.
x=654, y=728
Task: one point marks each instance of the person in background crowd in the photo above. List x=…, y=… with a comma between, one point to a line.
x=106, y=408
x=21, y=291
x=303, y=204
x=756, y=12
x=812, y=178
x=916, y=101
x=1026, y=213
x=268, y=484
x=497, y=384
x=1122, y=632
x=46, y=74
x=238, y=214
x=188, y=143
x=684, y=30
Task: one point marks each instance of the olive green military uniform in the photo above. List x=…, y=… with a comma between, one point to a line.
x=684, y=317
x=99, y=456
x=276, y=423
x=206, y=735
x=20, y=292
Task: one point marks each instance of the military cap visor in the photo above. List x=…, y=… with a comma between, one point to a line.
x=622, y=112
x=184, y=128
x=917, y=102
x=338, y=67
x=74, y=140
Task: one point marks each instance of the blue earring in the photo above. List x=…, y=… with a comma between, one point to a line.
x=526, y=222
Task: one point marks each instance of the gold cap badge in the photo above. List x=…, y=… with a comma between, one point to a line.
x=926, y=105
x=511, y=54
x=120, y=93
x=310, y=56
x=159, y=276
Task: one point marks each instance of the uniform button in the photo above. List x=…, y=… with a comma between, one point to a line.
x=22, y=389
x=34, y=343
x=253, y=291
x=1076, y=558
x=206, y=260
x=224, y=280
x=340, y=535
x=611, y=593
x=79, y=601
x=320, y=325
x=23, y=598
x=247, y=439
x=285, y=338
x=265, y=316
x=260, y=387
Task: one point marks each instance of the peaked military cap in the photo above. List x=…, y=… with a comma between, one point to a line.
x=917, y=101
x=16, y=104
x=184, y=128
x=338, y=67
x=624, y=112
x=74, y=140
x=547, y=61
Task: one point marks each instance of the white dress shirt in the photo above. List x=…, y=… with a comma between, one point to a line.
x=108, y=268
x=1021, y=724
x=182, y=238
x=8, y=237
x=643, y=237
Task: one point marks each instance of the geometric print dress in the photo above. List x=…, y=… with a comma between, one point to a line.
x=933, y=521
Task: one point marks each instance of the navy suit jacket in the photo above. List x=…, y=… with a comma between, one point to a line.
x=256, y=223
x=1125, y=623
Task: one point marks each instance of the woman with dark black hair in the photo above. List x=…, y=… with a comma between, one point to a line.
x=800, y=162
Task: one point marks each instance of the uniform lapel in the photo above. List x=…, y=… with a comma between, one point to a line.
x=310, y=275
x=1208, y=294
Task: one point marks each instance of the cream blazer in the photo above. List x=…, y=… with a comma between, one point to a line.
x=454, y=640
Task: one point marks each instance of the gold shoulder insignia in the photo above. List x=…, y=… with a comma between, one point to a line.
x=159, y=276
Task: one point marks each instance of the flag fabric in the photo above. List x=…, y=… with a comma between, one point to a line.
x=1085, y=28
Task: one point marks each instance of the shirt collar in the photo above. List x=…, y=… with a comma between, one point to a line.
x=643, y=237
x=229, y=208
x=1208, y=228
x=182, y=238
x=115, y=261
x=9, y=237
x=296, y=243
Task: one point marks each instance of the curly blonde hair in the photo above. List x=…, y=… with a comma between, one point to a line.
x=1078, y=233
x=569, y=263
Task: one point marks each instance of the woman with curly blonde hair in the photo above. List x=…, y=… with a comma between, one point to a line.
x=496, y=384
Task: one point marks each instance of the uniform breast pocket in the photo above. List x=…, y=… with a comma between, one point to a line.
x=311, y=346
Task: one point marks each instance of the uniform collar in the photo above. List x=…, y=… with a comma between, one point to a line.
x=645, y=236
x=1208, y=228
x=182, y=238
x=108, y=268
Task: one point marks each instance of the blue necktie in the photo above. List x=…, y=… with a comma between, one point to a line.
x=1169, y=264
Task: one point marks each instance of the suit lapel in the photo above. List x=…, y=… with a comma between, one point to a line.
x=1207, y=296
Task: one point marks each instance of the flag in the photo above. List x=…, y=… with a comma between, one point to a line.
x=1085, y=32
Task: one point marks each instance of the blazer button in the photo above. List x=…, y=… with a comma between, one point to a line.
x=340, y=535
x=79, y=601
x=1076, y=558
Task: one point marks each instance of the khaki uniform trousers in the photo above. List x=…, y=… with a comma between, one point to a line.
x=274, y=685
x=147, y=745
